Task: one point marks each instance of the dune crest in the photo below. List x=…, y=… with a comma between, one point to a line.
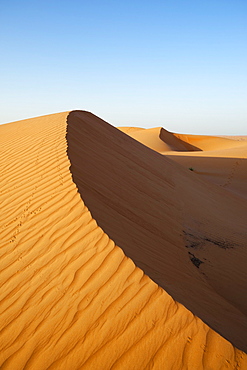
x=174, y=219
x=70, y=298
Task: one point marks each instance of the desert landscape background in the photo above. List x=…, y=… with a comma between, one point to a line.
x=121, y=248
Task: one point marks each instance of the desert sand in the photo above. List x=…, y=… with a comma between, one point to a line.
x=119, y=255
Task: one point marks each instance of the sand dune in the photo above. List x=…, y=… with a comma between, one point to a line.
x=70, y=298
x=159, y=139
x=221, y=160
x=164, y=210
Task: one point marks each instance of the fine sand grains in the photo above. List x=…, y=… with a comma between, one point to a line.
x=70, y=298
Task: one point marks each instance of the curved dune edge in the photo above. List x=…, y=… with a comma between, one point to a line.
x=69, y=297
x=162, y=140
x=174, y=226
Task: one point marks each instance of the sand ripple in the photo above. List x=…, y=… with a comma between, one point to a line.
x=70, y=298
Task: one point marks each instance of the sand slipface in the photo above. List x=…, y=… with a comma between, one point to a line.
x=183, y=229
x=70, y=298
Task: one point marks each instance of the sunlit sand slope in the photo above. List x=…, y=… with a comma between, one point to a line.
x=187, y=235
x=69, y=297
x=204, y=142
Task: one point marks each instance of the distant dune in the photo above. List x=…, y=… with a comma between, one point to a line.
x=222, y=160
x=119, y=255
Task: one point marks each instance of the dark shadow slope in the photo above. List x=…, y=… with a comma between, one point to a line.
x=187, y=235
x=230, y=173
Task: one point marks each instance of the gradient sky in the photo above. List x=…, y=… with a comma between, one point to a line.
x=177, y=64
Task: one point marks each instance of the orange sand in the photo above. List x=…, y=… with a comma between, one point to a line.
x=70, y=298
x=221, y=160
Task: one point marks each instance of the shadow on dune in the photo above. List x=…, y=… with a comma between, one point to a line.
x=175, y=143
x=150, y=206
x=229, y=173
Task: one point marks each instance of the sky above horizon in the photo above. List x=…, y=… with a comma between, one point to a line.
x=177, y=64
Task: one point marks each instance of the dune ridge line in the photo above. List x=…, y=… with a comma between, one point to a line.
x=156, y=211
x=69, y=297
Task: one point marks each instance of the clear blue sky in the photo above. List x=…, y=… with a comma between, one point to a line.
x=177, y=64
